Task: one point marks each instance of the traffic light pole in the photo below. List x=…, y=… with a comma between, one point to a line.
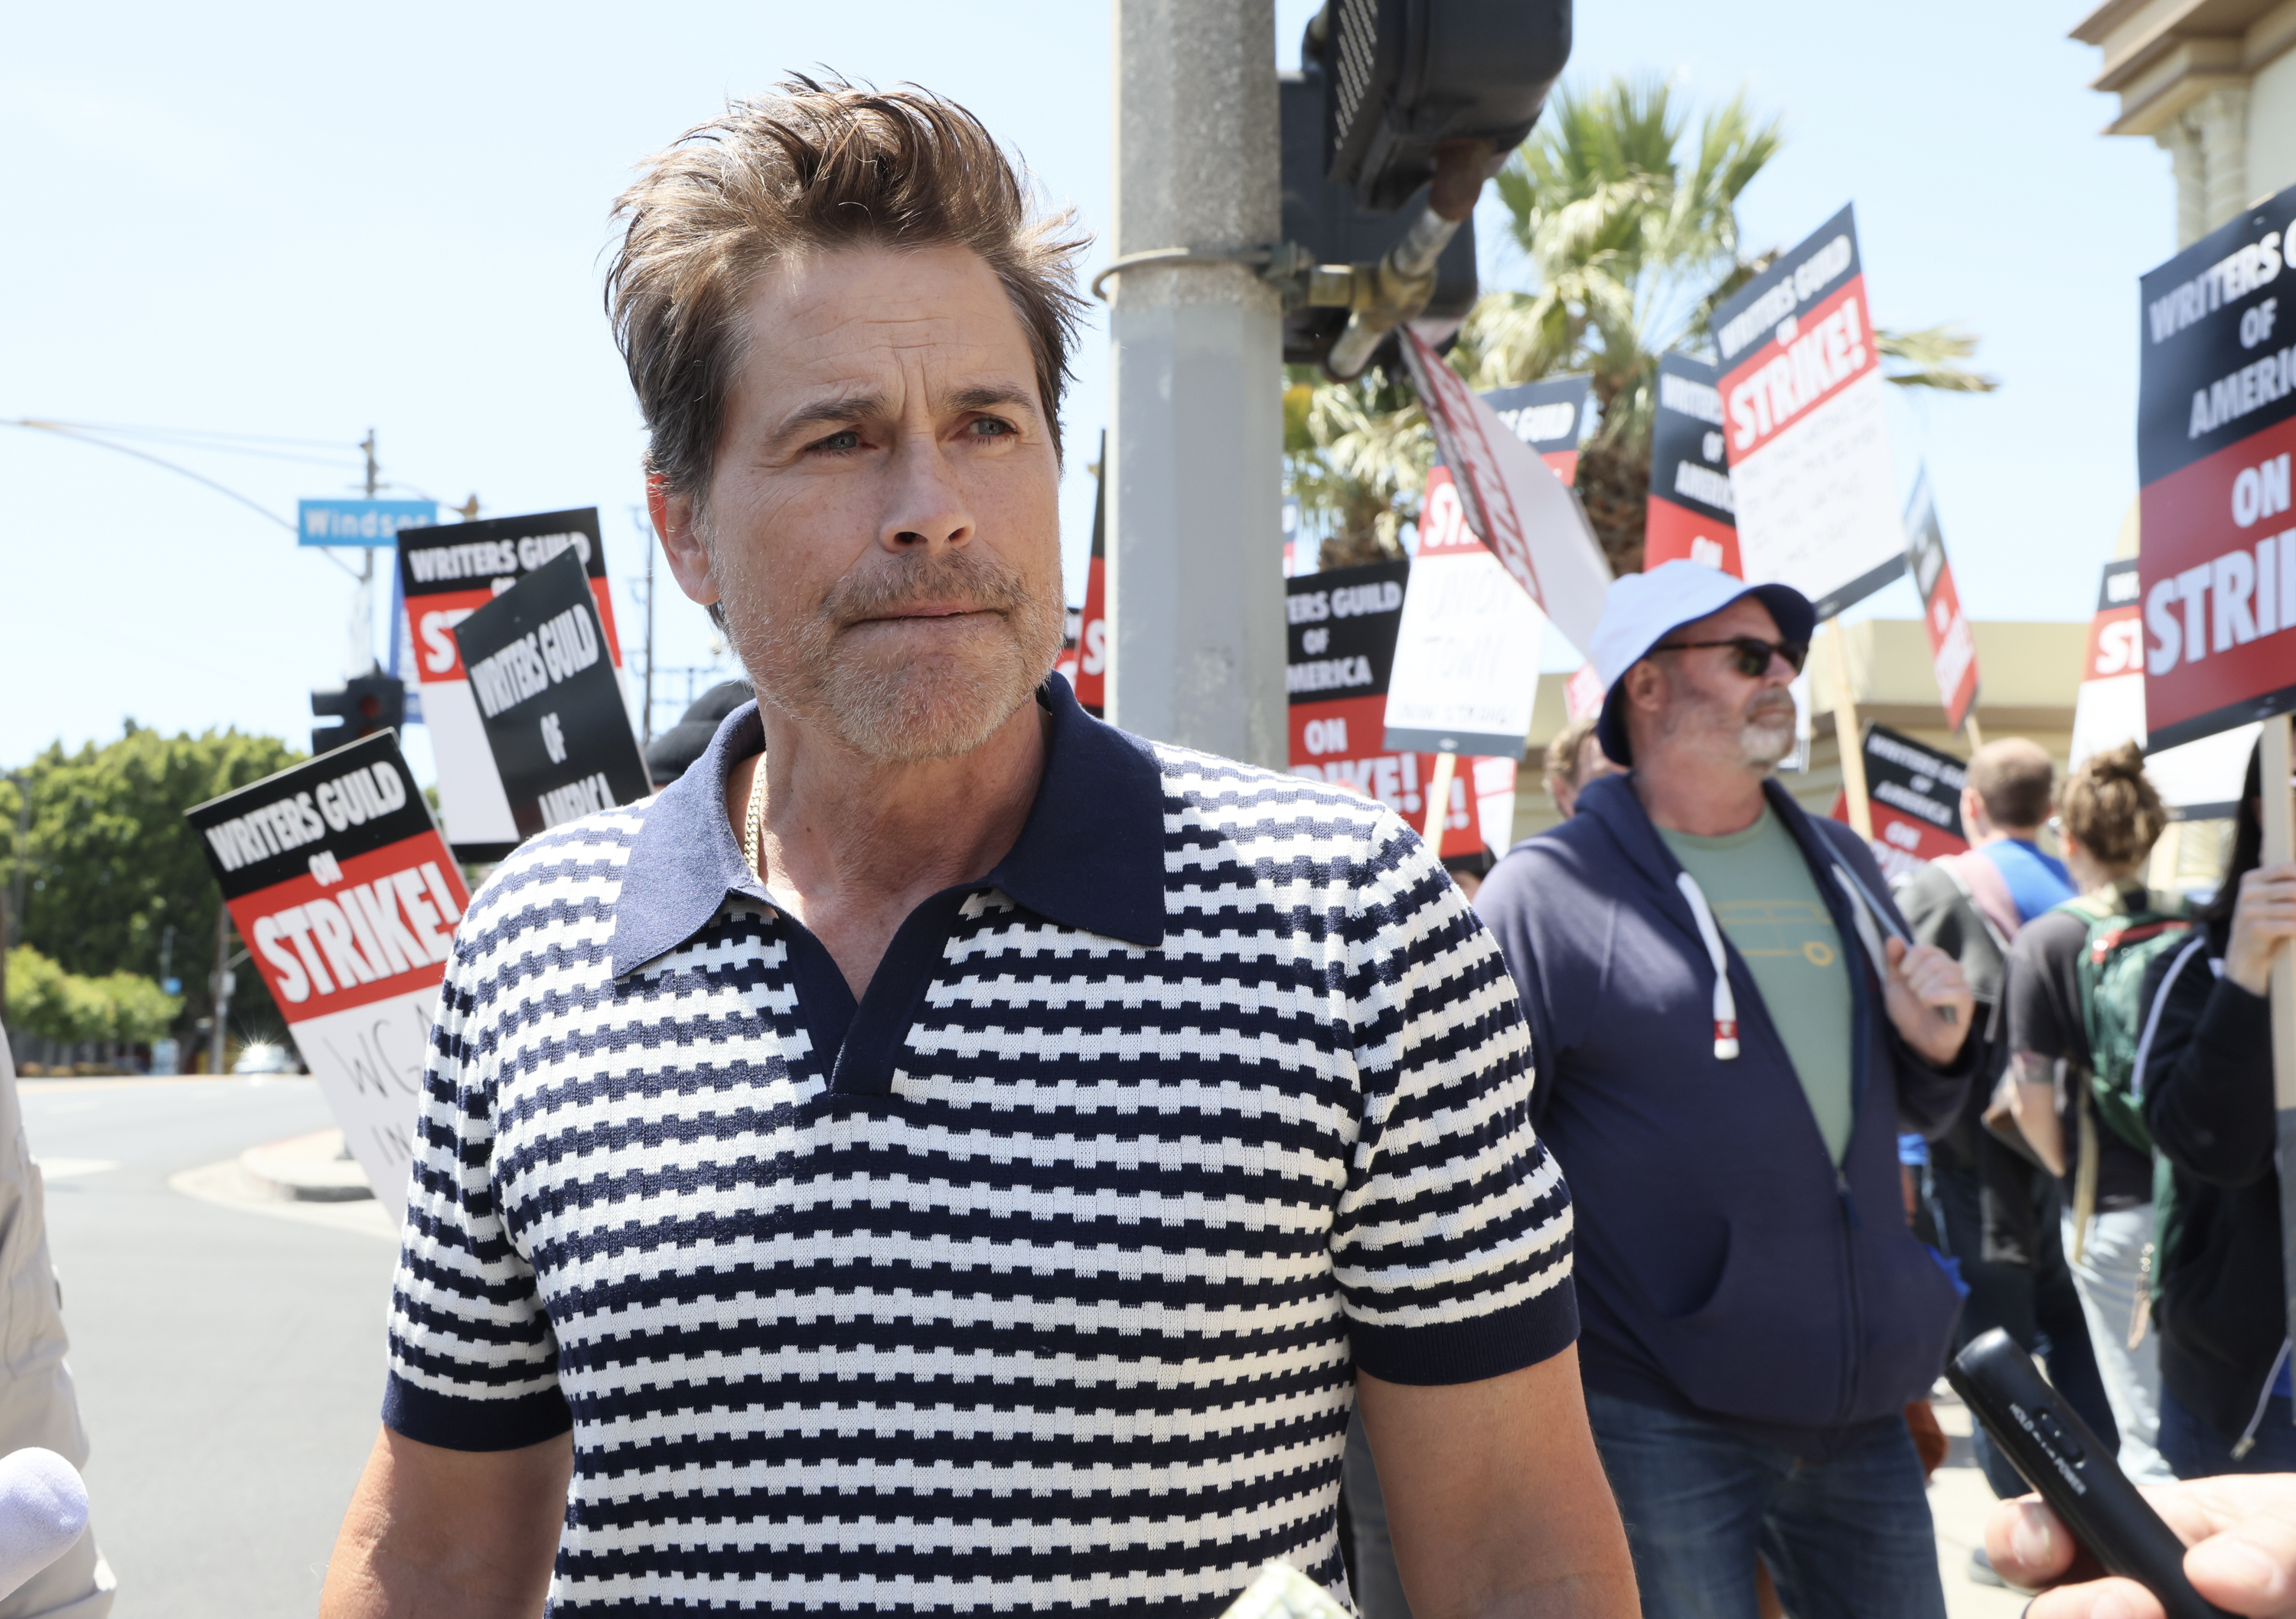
x=1195, y=587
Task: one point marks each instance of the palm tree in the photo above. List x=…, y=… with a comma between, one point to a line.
x=1356, y=456
x=1627, y=220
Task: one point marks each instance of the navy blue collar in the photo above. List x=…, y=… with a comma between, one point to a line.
x=1090, y=857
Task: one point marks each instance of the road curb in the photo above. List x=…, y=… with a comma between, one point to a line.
x=307, y=1169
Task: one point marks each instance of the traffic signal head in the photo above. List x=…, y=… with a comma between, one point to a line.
x=1408, y=77
x=1322, y=216
x=361, y=707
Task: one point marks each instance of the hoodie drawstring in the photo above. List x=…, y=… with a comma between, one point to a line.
x=1726, y=1004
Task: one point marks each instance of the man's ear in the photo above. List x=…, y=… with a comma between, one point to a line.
x=1646, y=686
x=681, y=540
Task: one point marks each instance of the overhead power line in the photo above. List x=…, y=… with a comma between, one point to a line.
x=85, y=435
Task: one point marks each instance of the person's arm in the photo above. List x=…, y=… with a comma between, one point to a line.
x=1451, y=1245
x=460, y=1507
x=449, y=1534
x=2241, y=1533
x=2208, y=1070
x=2041, y=1024
x=2033, y=1105
x=1506, y=906
x=1933, y=1053
x=1496, y=1497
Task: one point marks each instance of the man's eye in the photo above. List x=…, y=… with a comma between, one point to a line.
x=850, y=439
x=991, y=427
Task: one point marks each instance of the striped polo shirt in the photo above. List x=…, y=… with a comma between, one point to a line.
x=1038, y=1280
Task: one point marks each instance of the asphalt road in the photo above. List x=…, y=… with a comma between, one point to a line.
x=229, y=1359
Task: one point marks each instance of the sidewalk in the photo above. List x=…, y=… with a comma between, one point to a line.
x=306, y=1178
x=1959, y=1503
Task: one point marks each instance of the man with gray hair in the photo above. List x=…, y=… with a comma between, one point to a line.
x=1732, y=1027
x=944, y=1152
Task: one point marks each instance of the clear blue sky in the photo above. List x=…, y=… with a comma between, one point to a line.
x=305, y=221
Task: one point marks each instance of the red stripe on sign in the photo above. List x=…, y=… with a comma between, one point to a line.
x=1673, y=533
x=2218, y=581
x=430, y=620
x=1812, y=355
x=378, y=924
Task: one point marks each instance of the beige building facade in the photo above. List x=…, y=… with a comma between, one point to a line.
x=2214, y=83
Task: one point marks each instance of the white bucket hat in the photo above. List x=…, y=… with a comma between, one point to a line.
x=1642, y=608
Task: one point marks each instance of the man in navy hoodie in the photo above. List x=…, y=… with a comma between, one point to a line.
x=1731, y=1028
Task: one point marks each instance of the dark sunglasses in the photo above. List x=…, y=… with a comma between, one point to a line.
x=1753, y=655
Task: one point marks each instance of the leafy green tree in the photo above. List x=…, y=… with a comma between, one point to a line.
x=108, y=862
x=1626, y=217
x=46, y=1001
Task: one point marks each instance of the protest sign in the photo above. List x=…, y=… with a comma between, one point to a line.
x=1953, y=649
x=549, y=699
x=2109, y=703
x=1466, y=654
x=1914, y=795
x=2215, y=434
x=2197, y=780
x=446, y=573
x=2216, y=404
x=1808, y=447
x=1094, y=643
x=347, y=896
x=1583, y=694
x=1550, y=415
x=1342, y=624
x=1510, y=500
x=1692, y=510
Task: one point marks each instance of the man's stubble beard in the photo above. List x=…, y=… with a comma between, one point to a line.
x=1759, y=745
x=889, y=708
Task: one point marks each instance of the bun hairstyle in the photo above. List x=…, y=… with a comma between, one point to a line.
x=2111, y=809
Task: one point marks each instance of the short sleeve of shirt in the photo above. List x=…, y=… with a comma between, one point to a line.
x=1452, y=1245
x=2043, y=988
x=473, y=1364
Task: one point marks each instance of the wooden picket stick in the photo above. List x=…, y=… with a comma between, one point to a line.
x=2273, y=768
x=1969, y=729
x=1439, y=802
x=1846, y=737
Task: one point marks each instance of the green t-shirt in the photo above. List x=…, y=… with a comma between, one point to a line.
x=1768, y=905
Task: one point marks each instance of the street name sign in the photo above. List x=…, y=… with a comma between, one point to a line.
x=359, y=522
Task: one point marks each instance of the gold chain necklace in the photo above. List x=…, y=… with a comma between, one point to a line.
x=753, y=824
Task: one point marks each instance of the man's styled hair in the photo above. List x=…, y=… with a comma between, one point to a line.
x=2014, y=779
x=2112, y=808
x=1561, y=765
x=813, y=167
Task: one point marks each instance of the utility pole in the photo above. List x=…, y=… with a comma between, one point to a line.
x=223, y=984
x=362, y=637
x=1195, y=592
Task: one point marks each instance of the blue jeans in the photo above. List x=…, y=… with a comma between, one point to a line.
x=2194, y=1450
x=1845, y=1539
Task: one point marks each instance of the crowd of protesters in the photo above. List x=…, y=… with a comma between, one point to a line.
x=942, y=1152
x=1741, y=1031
